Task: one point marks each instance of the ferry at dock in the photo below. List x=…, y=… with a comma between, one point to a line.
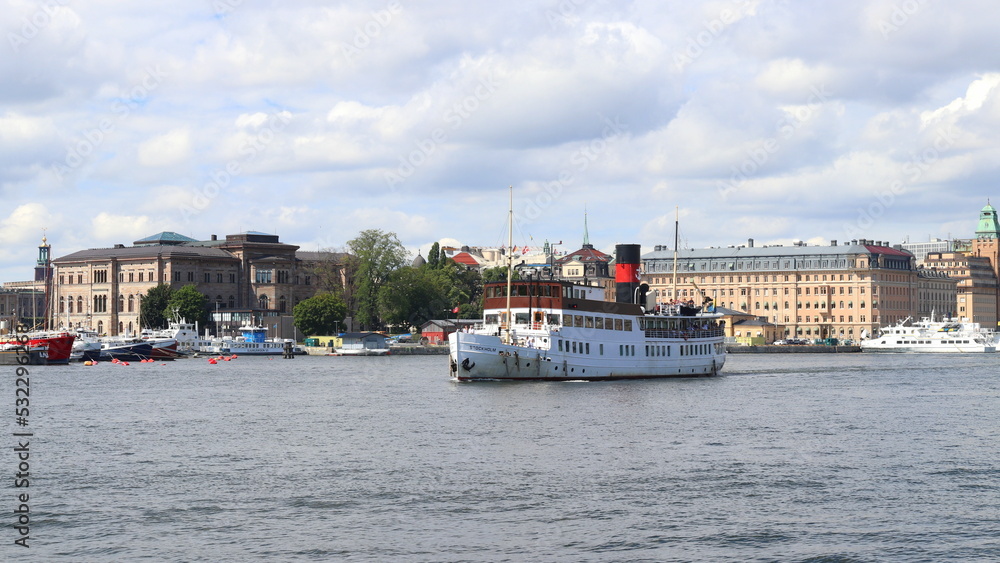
x=929, y=335
x=555, y=330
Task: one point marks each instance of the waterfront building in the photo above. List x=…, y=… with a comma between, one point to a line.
x=919, y=250
x=246, y=276
x=746, y=329
x=836, y=291
x=21, y=306
x=976, y=289
x=587, y=266
x=26, y=303
x=937, y=294
x=987, y=245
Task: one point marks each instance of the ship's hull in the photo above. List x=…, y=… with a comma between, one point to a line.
x=267, y=348
x=934, y=348
x=127, y=352
x=58, y=346
x=486, y=357
x=164, y=349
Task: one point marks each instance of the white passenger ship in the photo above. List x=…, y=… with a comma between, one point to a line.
x=929, y=335
x=556, y=330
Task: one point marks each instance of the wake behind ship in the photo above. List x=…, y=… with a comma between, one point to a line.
x=557, y=331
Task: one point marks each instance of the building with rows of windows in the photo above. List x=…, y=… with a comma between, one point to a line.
x=836, y=291
x=246, y=276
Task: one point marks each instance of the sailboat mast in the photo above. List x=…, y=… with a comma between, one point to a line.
x=510, y=254
x=676, y=241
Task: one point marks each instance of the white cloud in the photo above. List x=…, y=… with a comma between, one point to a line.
x=110, y=228
x=171, y=148
x=294, y=118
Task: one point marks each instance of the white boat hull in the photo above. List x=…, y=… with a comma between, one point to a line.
x=938, y=348
x=929, y=336
x=486, y=357
x=362, y=351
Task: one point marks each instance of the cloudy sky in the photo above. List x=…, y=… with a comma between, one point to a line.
x=775, y=120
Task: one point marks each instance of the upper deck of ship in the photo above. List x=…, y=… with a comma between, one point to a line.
x=569, y=296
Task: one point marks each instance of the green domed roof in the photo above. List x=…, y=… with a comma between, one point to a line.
x=988, y=226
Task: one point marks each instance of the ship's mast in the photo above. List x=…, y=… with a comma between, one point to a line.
x=510, y=254
x=676, y=238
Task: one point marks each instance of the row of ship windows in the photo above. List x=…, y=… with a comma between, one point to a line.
x=652, y=350
x=578, y=321
x=932, y=342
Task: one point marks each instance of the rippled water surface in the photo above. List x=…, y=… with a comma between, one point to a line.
x=849, y=457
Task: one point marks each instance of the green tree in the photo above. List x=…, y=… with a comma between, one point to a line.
x=377, y=255
x=320, y=315
x=413, y=296
x=432, y=257
x=190, y=304
x=153, y=307
x=497, y=273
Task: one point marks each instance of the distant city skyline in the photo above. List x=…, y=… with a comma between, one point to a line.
x=770, y=120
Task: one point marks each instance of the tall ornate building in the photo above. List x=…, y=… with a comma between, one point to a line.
x=842, y=291
x=987, y=245
x=246, y=276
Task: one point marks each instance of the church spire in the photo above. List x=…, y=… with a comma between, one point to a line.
x=586, y=234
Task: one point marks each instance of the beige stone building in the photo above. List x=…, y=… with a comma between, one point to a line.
x=976, y=292
x=835, y=291
x=247, y=278
x=937, y=293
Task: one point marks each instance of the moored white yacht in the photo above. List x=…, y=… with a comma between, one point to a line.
x=929, y=335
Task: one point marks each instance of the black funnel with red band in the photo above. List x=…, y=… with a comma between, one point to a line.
x=627, y=264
